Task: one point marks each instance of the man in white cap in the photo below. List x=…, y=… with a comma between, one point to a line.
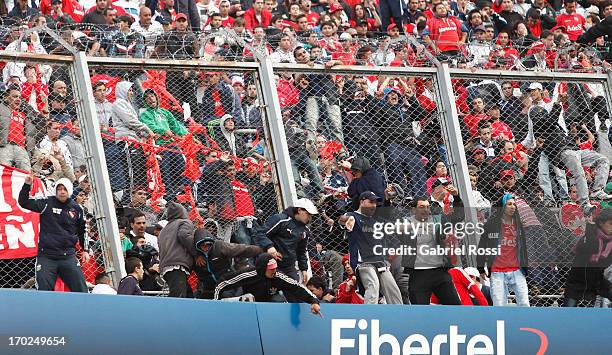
x=62, y=224
x=285, y=236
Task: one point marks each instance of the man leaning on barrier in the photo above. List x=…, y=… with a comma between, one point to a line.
x=285, y=236
x=62, y=225
x=214, y=260
x=264, y=281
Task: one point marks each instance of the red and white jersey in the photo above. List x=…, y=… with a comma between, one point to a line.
x=574, y=24
x=445, y=32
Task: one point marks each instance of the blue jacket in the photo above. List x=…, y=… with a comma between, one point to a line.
x=288, y=236
x=61, y=224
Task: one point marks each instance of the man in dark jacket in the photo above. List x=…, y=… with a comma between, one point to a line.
x=593, y=255
x=365, y=178
x=214, y=260
x=603, y=28
x=62, y=224
x=129, y=284
x=366, y=251
x=263, y=281
x=285, y=236
x=402, y=157
x=176, y=250
x=563, y=151
x=504, y=239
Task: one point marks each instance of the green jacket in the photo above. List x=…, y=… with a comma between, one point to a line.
x=160, y=120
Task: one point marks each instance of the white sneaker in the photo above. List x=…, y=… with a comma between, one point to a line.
x=600, y=195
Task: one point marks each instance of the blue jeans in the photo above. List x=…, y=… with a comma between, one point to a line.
x=546, y=183
x=172, y=167
x=401, y=159
x=499, y=288
x=301, y=161
x=115, y=161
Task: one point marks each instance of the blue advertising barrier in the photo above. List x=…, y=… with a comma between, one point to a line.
x=98, y=324
x=360, y=329
x=101, y=324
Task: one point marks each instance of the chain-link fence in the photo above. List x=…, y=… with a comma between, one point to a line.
x=191, y=134
x=200, y=131
x=41, y=118
x=544, y=140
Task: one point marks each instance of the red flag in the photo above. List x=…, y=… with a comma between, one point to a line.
x=18, y=227
x=156, y=80
x=154, y=178
x=190, y=150
x=110, y=82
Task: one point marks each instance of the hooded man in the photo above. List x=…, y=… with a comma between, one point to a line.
x=214, y=260
x=285, y=236
x=127, y=125
x=176, y=250
x=62, y=225
x=166, y=128
x=263, y=281
x=504, y=233
x=226, y=137
x=365, y=178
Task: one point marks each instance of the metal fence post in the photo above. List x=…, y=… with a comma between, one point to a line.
x=98, y=173
x=275, y=126
x=457, y=160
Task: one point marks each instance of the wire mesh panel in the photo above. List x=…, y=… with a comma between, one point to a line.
x=41, y=124
x=192, y=135
x=350, y=131
x=545, y=141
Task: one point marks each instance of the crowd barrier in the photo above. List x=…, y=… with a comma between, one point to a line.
x=122, y=324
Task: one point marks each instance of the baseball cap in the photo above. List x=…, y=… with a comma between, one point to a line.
x=391, y=26
x=472, y=271
x=480, y=28
x=307, y=205
x=346, y=37
x=272, y=265
x=335, y=7
x=180, y=16
x=369, y=195
x=534, y=86
x=478, y=150
x=439, y=181
x=505, y=173
x=362, y=23
x=537, y=46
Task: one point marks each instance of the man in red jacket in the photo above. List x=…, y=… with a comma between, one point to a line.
x=257, y=16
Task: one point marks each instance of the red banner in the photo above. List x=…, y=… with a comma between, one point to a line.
x=18, y=227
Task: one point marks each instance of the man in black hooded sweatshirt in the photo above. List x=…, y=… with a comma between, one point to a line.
x=214, y=260
x=263, y=281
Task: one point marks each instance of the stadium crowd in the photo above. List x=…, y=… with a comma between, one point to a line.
x=184, y=148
